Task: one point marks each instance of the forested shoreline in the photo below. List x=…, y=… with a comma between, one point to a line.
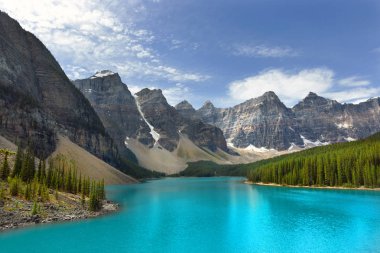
x=38, y=191
x=31, y=182
x=354, y=164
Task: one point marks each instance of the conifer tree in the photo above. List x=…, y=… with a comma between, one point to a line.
x=18, y=162
x=5, y=170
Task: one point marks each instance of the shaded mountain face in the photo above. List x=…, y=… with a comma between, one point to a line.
x=170, y=124
x=38, y=100
x=186, y=109
x=266, y=122
x=116, y=108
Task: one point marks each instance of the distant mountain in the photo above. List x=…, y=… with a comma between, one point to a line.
x=325, y=120
x=265, y=122
x=170, y=124
x=147, y=124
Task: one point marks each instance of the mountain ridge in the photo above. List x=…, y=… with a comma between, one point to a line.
x=266, y=122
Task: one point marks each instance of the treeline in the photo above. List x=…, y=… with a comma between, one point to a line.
x=211, y=169
x=31, y=181
x=351, y=164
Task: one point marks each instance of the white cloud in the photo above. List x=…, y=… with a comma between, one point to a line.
x=176, y=94
x=292, y=87
x=289, y=86
x=95, y=35
x=263, y=51
x=355, y=95
x=354, y=81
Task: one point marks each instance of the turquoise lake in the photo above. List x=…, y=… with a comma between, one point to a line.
x=215, y=215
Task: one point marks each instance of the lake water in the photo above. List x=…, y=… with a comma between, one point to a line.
x=215, y=215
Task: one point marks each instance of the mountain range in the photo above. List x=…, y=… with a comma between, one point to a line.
x=139, y=133
x=266, y=122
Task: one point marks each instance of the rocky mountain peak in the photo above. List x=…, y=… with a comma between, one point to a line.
x=208, y=105
x=153, y=96
x=313, y=100
x=184, y=105
x=270, y=95
x=269, y=101
x=186, y=109
x=313, y=97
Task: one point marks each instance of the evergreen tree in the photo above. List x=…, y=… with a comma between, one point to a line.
x=5, y=170
x=18, y=163
x=343, y=164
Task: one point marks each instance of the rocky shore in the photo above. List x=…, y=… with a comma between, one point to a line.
x=17, y=213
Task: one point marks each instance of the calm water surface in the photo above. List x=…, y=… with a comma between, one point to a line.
x=215, y=215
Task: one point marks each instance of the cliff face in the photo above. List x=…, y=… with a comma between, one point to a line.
x=169, y=123
x=266, y=122
x=38, y=100
x=116, y=108
x=323, y=119
x=263, y=122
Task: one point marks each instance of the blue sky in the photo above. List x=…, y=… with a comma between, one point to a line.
x=223, y=51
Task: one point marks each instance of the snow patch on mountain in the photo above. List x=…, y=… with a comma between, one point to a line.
x=349, y=139
x=345, y=125
x=314, y=143
x=155, y=135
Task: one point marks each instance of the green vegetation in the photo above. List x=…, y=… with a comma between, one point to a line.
x=353, y=164
x=211, y=169
x=136, y=171
x=35, y=183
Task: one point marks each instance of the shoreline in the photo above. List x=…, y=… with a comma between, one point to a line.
x=362, y=188
x=17, y=213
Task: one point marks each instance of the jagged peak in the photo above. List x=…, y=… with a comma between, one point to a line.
x=146, y=91
x=267, y=96
x=312, y=94
x=208, y=104
x=103, y=73
x=270, y=94
x=184, y=105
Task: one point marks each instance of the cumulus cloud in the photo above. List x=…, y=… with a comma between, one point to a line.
x=95, y=34
x=263, y=51
x=292, y=86
x=289, y=86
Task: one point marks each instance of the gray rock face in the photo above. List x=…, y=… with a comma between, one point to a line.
x=266, y=122
x=38, y=100
x=263, y=122
x=169, y=123
x=186, y=110
x=327, y=120
x=116, y=107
